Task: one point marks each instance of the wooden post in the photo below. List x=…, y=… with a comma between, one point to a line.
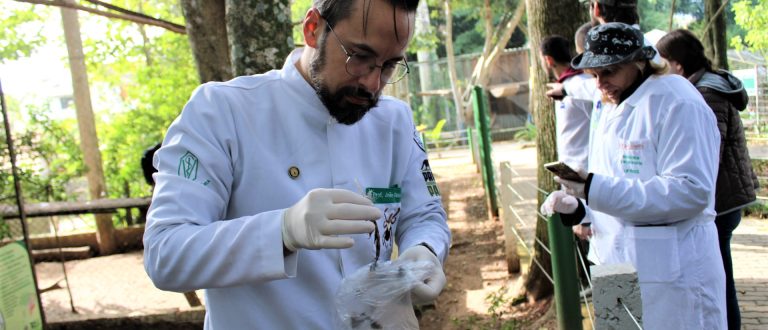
x=505, y=201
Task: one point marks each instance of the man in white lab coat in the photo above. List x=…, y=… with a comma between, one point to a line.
x=260, y=196
x=572, y=110
x=653, y=161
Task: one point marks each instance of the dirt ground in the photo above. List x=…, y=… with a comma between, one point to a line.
x=478, y=295
x=480, y=292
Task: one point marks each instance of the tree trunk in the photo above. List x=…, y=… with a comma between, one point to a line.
x=260, y=34
x=542, y=21
x=495, y=41
x=715, y=43
x=451, y=59
x=89, y=141
x=208, y=38
x=424, y=56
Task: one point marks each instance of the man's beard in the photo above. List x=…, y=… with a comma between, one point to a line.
x=342, y=110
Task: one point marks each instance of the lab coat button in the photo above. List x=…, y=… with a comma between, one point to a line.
x=293, y=172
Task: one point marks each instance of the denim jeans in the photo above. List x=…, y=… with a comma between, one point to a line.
x=726, y=224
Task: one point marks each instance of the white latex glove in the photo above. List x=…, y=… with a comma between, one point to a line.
x=572, y=188
x=560, y=202
x=316, y=219
x=424, y=293
x=583, y=232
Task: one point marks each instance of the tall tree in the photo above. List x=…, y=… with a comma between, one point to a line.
x=424, y=54
x=496, y=39
x=208, y=38
x=544, y=19
x=231, y=38
x=714, y=35
x=451, y=59
x=260, y=34
x=89, y=141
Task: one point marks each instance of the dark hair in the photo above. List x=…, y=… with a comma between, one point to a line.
x=558, y=47
x=683, y=47
x=580, y=37
x=147, y=168
x=334, y=11
x=623, y=14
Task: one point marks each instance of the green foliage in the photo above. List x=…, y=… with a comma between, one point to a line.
x=5, y=230
x=654, y=14
x=425, y=42
x=527, y=134
x=154, y=95
x=299, y=10
x=435, y=133
x=150, y=74
x=499, y=303
x=468, y=26
x=26, y=32
x=752, y=16
x=140, y=77
x=48, y=158
x=52, y=142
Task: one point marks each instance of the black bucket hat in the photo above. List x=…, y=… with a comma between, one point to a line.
x=612, y=43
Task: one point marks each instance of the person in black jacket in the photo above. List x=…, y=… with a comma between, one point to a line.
x=148, y=169
x=736, y=181
x=146, y=164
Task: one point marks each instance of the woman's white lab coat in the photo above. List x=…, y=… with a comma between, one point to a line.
x=654, y=161
x=572, y=120
x=243, y=151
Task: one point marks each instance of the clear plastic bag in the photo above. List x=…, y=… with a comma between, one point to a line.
x=379, y=298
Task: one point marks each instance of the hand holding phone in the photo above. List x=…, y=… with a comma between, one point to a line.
x=564, y=171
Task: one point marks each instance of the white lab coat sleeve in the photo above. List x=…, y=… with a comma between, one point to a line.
x=187, y=242
x=686, y=168
x=423, y=219
x=587, y=220
x=573, y=139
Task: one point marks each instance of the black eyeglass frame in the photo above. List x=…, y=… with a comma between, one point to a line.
x=391, y=79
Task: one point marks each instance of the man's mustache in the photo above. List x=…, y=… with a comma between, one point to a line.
x=363, y=94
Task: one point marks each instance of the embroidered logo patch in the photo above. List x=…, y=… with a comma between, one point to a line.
x=417, y=139
x=429, y=179
x=188, y=166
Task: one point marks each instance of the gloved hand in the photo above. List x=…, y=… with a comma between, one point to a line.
x=424, y=293
x=572, y=188
x=316, y=219
x=582, y=231
x=560, y=202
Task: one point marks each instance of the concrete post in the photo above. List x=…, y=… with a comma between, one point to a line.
x=616, y=293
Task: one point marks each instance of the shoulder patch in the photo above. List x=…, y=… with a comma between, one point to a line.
x=188, y=166
x=417, y=139
x=429, y=179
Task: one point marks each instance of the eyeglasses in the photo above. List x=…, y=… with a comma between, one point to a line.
x=359, y=65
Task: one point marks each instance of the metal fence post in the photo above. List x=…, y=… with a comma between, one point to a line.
x=564, y=274
x=20, y=205
x=483, y=125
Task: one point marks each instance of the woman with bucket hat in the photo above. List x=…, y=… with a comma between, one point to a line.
x=653, y=159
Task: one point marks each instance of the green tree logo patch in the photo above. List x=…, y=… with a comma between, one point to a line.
x=188, y=166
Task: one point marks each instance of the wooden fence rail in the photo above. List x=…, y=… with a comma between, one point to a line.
x=69, y=208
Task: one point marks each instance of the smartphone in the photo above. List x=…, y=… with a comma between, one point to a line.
x=564, y=171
